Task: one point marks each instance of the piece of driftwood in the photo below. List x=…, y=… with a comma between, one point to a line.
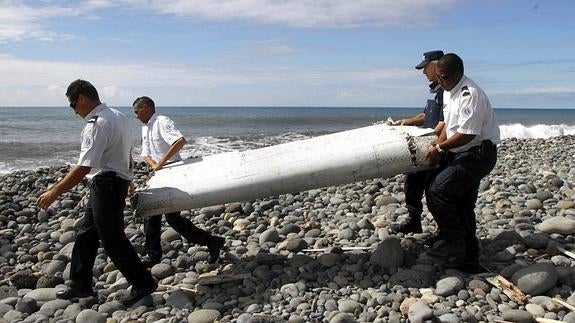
x=565, y=304
x=341, y=248
x=539, y=319
x=215, y=277
x=178, y=287
x=508, y=288
x=566, y=252
x=543, y=320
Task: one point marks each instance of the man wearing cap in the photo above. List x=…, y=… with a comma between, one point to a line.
x=468, y=143
x=431, y=116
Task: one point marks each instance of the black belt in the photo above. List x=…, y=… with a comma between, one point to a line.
x=478, y=152
x=107, y=174
x=485, y=144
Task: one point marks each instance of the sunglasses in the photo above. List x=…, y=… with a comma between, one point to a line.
x=444, y=77
x=73, y=104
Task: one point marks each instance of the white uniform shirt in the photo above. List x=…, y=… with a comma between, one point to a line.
x=158, y=135
x=467, y=110
x=107, y=141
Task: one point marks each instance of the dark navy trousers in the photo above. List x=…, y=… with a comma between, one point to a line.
x=104, y=222
x=185, y=227
x=452, y=193
x=413, y=188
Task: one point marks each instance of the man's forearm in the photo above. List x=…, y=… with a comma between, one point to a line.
x=174, y=149
x=75, y=176
x=457, y=140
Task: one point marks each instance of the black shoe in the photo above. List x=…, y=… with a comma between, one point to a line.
x=75, y=292
x=149, y=262
x=470, y=267
x=431, y=240
x=215, y=244
x=411, y=226
x=447, y=253
x=137, y=293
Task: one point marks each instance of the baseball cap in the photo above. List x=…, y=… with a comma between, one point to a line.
x=428, y=57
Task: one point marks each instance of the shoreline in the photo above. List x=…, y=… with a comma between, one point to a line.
x=525, y=210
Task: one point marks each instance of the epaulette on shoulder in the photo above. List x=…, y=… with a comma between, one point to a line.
x=465, y=91
x=93, y=119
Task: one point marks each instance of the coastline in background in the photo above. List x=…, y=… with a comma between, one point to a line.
x=45, y=136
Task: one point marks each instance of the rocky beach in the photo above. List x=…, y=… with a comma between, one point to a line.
x=324, y=255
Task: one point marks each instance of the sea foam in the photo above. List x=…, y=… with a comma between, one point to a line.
x=516, y=130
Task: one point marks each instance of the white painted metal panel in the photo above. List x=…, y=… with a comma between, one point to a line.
x=338, y=158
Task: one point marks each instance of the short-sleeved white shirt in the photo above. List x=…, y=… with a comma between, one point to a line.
x=467, y=110
x=106, y=141
x=158, y=135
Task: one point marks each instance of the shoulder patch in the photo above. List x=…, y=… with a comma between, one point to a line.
x=466, y=93
x=464, y=88
x=93, y=119
x=170, y=127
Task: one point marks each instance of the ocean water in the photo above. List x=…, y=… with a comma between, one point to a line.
x=44, y=136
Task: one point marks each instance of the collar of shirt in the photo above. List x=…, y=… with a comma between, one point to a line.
x=434, y=87
x=152, y=119
x=459, y=85
x=95, y=111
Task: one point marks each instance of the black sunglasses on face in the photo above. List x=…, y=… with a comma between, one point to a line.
x=73, y=104
x=444, y=77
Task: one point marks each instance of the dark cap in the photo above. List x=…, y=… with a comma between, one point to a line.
x=428, y=57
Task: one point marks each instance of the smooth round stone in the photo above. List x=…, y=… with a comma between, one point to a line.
x=449, y=285
x=110, y=307
x=204, y=316
x=419, y=312
x=162, y=270
x=536, y=279
x=270, y=235
x=518, y=316
x=558, y=224
x=27, y=305
x=92, y=316
x=535, y=310
x=349, y=306
x=67, y=237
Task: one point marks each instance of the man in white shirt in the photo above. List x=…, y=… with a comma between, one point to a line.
x=161, y=144
x=106, y=144
x=468, y=144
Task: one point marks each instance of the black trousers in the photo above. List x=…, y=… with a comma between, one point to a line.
x=452, y=193
x=185, y=227
x=104, y=221
x=413, y=188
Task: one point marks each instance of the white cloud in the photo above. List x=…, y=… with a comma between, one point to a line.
x=21, y=20
x=42, y=82
x=18, y=20
x=40, y=73
x=551, y=90
x=309, y=13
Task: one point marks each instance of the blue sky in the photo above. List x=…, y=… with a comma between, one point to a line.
x=283, y=52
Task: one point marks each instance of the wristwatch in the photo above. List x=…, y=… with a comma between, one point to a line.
x=439, y=150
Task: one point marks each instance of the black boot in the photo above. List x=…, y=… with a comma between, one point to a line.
x=215, y=244
x=150, y=261
x=139, y=292
x=74, y=291
x=413, y=225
